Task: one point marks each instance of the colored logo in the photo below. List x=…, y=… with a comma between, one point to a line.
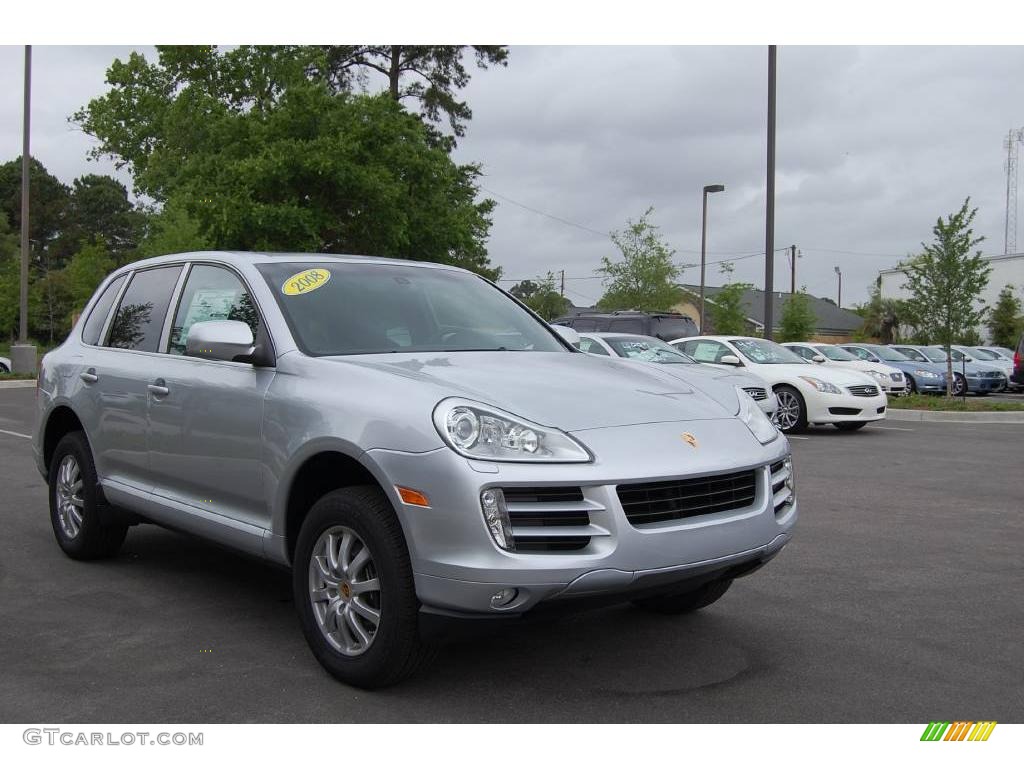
x=959, y=731
x=689, y=439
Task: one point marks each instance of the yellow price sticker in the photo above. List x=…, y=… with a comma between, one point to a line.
x=304, y=282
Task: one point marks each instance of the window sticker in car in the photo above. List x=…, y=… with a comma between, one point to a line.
x=211, y=304
x=706, y=353
x=304, y=282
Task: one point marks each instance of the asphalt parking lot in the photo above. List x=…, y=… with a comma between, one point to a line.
x=900, y=600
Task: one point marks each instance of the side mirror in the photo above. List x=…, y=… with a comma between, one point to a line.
x=568, y=334
x=729, y=360
x=968, y=359
x=818, y=358
x=220, y=340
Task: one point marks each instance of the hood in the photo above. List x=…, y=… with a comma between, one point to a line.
x=570, y=391
x=841, y=377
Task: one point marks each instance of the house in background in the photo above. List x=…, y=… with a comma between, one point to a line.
x=835, y=325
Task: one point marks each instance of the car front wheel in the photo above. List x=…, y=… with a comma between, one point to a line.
x=792, y=413
x=354, y=591
x=74, y=503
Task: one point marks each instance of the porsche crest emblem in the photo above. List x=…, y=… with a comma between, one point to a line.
x=689, y=439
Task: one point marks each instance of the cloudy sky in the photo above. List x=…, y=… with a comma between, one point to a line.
x=873, y=144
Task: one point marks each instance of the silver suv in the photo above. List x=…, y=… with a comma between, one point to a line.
x=415, y=444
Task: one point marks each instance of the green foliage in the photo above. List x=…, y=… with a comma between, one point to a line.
x=645, y=277
x=51, y=201
x=882, y=317
x=10, y=272
x=946, y=280
x=798, y=322
x=430, y=75
x=100, y=211
x=542, y=297
x=727, y=313
x=279, y=162
x=50, y=304
x=172, y=230
x=86, y=270
x=1005, y=321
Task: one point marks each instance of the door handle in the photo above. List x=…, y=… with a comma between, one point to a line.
x=158, y=388
x=89, y=377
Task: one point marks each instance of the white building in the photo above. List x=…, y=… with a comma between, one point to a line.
x=1006, y=270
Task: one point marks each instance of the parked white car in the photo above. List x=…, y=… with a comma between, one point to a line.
x=891, y=380
x=807, y=393
x=647, y=349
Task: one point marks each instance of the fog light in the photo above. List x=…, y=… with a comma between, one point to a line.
x=492, y=502
x=503, y=597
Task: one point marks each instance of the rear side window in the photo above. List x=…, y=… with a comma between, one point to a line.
x=140, y=316
x=626, y=325
x=591, y=346
x=94, y=324
x=211, y=293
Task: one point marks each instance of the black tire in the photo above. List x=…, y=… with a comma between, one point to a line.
x=800, y=424
x=959, y=385
x=850, y=426
x=911, y=386
x=685, y=602
x=94, y=538
x=3, y=368
x=396, y=651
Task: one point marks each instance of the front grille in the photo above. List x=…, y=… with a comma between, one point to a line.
x=991, y=374
x=863, y=390
x=841, y=411
x=550, y=519
x=758, y=393
x=646, y=503
x=896, y=376
x=782, y=497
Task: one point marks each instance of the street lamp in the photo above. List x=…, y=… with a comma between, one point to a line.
x=709, y=189
x=839, y=297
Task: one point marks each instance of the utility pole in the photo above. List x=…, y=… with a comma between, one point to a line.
x=1013, y=140
x=769, y=225
x=792, y=269
x=839, y=294
x=708, y=190
x=23, y=355
x=562, y=289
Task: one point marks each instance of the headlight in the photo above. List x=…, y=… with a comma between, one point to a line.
x=878, y=375
x=822, y=386
x=752, y=415
x=926, y=374
x=481, y=432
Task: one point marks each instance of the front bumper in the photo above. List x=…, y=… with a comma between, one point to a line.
x=981, y=385
x=458, y=568
x=832, y=409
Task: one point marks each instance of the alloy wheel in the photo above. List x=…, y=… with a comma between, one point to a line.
x=344, y=590
x=69, y=496
x=788, y=414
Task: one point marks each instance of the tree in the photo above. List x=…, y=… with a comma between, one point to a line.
x=10, y=276
x=51, y=200
x=542, y=297
x=428, y=74
x=645, y=277
x=279, y=162
x=727, y=313
x=882, y=317
x=1005, y=321
x=945, y=282
x=100, y=211
x=172, y=230
x=798, y=322
x=86, y=270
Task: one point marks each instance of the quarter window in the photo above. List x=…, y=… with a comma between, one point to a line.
x=211, y=293
x=94, y=324
x=593, y=347
x=140, y=316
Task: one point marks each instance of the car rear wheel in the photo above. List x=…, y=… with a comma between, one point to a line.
x=354, y=591
x=685, y=602
x=850, y=426
x=911, y=386
x=959, y=385
x=75, y=512
x=792, y=413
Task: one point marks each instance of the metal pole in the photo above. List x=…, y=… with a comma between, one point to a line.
x=23, y=326
x=703, y=254
x=769, y=225
x=562, y=290
x=792, y=269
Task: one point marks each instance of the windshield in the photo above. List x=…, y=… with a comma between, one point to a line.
x=765, y=352
x=835, y=353
x=338, y=308
x=647, y=349
x=888, y=354
x=984, y=354
x=935, y=355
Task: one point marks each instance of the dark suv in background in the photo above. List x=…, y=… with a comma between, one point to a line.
x=667, y=326
x=1018, y=363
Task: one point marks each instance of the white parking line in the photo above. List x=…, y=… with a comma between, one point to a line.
x=16, y=434
x=895, y=429
x=794, y=437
